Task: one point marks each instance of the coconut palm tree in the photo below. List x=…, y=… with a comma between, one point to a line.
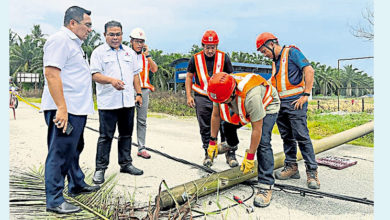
x=350, y=77
x=195, y=49
x=93, y=40
x=165, y=72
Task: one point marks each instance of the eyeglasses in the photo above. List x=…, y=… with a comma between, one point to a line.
x=88, y=25
x=115, y=34
x=139, y=41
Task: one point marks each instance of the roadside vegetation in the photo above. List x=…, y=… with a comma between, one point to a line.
x=354, y=86
x=321, y=123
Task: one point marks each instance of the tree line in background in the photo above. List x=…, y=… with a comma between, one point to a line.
x=25, y=55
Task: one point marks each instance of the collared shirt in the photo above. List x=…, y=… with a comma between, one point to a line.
x=63, y=50
x=296, y=62
x=119, y=64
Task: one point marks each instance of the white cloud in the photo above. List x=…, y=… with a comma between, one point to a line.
x=175, y=25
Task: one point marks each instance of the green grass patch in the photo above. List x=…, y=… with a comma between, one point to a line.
x=170, y=103
x=325, y=125
x=32, y=100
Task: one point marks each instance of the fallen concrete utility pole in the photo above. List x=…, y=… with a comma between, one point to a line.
x=234, y=176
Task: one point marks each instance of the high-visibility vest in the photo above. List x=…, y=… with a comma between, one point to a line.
x=202, y=73
x=144, y=75
x=245, y=82
x=280, y=79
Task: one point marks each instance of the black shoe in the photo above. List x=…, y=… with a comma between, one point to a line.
x=131, y=170
x=64, y=208
x=98, y=177
x=85, y=190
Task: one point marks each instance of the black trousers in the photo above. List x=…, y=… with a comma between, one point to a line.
x=108, y=120
x=63, y=158
x=204, y=108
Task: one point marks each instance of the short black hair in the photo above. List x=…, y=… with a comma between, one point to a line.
x=76, y=13
x=112, y=24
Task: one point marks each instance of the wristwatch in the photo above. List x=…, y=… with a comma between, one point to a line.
x=305, y=94
x=213, y=138
x=139, y=94
x=147, y=56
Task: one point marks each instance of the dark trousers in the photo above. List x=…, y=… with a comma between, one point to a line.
x=108, y=120
x=63, y=158
x=204, y=108
x=265, y=155
x=292, y=126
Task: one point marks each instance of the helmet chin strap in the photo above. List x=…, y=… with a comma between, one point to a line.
x=273, y=52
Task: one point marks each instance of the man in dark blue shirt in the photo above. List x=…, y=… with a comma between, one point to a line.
x=293, y=77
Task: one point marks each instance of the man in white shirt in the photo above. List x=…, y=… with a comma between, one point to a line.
x=115, y=70
x=66, y=101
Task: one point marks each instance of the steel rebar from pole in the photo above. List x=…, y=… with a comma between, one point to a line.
x=234, y=176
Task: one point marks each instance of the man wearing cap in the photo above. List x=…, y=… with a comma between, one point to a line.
x=201, y=67
x=115, y=70
x=240, y=99
x=137, y=40
x=293, y=77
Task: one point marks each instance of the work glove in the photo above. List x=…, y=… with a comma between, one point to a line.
x=247, y=165
x=212, y=150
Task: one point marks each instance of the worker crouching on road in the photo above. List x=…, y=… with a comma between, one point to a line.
x=293, y=77
x=201, y=67
x=240, y=99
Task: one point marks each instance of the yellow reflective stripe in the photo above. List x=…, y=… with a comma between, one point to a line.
x=244, y=81
x=223, y=110
x=284, y=69
x=219, y=62
x=146, y=72
x=241, y=114
x=201, y=70
x=273, y=69
x=267, y=101
x=291, y=91
x=199, y=90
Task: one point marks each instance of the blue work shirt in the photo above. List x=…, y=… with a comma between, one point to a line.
x=296, y=62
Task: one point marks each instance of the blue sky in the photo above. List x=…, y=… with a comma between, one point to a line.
x=321, y=29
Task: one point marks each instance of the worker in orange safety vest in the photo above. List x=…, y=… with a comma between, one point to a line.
x=137, y=40
x=201, y=67
x=240, y=99
x=293, y=77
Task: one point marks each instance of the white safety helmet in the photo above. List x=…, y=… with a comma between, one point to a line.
x=138, y=33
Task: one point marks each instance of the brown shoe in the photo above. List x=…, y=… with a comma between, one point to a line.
x=263, y=197
x=223, y=147
x=312, y=179
x=231, y=158
x=290, y=171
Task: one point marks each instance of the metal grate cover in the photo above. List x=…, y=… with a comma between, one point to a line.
x=338, y=163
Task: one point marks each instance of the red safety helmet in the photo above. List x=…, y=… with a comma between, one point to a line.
x=221, y=86
x=210, y=37
x=263, y=38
